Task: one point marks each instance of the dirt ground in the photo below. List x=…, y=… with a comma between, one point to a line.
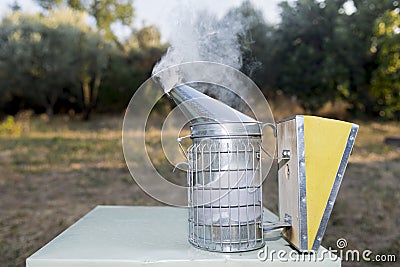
x=56, y=172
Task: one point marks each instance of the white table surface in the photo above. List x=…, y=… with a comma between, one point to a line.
x=146, y=236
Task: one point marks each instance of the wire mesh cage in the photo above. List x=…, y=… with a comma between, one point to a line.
x=225, y=193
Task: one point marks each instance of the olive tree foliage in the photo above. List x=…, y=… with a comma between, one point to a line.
x=356, y=39
x=129, y=67
x=307, y=51
x=254, y=42
x=146, y=37
x=299, y=55
x=105, y=12
x=385, y=85
x=321, y=51
x=44, y=57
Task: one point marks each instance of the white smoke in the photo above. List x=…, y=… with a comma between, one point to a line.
x=201, y=36
x=198, y=35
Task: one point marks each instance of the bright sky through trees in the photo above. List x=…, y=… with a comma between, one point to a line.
x=156, y=11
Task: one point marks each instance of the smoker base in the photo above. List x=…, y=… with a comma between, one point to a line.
x=135, y=236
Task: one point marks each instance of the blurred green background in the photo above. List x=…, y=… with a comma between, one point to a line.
x=66, y=77
x=319, y=53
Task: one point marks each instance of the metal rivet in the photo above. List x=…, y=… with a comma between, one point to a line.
x=286, y=153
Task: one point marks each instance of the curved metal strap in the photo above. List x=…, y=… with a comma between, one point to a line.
x=179, y=139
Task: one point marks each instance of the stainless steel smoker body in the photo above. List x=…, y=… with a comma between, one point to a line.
x=224, y=174
x=225, y=193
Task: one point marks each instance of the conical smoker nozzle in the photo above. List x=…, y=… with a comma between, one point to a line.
x=198, y=107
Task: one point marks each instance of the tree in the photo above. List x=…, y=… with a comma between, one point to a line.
x=93, y=60
x=255, y=41
x=146, y=37
x=385, y=84
x=130, y=67
x=306, y=56
x=355, y=35
x=105, y=12
x=15, y=7
x=321, y=53
x=43, y=58
x=34, y=59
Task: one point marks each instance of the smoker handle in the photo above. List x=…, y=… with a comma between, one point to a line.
x=275, y=134
x=179, y=139
x=270, y=125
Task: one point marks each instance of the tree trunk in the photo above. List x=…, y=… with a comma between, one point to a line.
x=49, y=111
x=86, y=93
x=86, y=100
x=96, y=86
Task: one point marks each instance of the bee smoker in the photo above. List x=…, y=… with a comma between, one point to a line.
x=225, y=174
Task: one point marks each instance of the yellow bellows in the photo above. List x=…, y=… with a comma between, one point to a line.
x=323, y=147
x=324, y=143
